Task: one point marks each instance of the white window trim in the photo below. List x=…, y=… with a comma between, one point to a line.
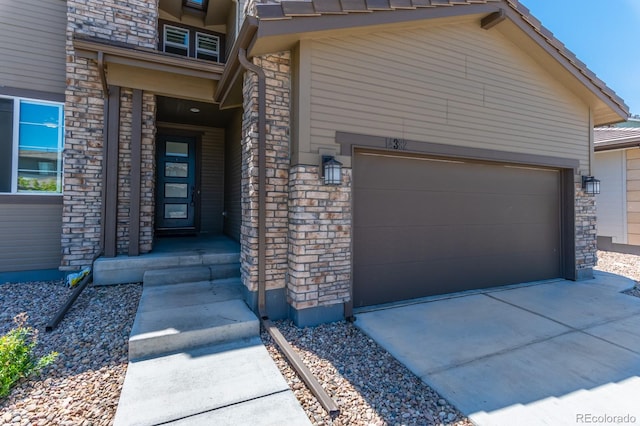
x=16, y=148
x=215, y=53
x=176, y=45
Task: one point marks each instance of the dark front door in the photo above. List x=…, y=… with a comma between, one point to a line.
x=176, y=185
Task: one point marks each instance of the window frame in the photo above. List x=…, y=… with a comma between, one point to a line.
x=166, y=43
x=15, y=145
x=193, y=31
x=206, y=51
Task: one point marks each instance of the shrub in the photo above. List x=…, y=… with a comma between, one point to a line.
x=17, y=358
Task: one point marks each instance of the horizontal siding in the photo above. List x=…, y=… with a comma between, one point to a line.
x=454, y=84
x=33, y=44
x=633, y=196
x=233, y=177
x=30, y=236
x=212, y=181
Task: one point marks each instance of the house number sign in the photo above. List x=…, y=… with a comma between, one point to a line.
x=395, y=143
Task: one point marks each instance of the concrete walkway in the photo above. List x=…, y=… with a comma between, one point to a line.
x=557, y=353
x=196, y=358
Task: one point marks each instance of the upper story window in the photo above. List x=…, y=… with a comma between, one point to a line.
x=31, y=143
x=192, y=42
x=196, y=4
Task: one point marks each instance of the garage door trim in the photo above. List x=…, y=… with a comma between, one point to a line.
x=567, y=167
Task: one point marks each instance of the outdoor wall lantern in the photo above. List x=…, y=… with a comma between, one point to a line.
x=590, y=185
x=331, y=170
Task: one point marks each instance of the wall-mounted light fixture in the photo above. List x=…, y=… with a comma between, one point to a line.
x=331, y=170
x=590, y=185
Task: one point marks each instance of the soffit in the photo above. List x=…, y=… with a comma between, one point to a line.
x=153, y=71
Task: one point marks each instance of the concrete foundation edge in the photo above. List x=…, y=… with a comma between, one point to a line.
x=276, y=302
x=28, y=276
x=584, y=274
x=607, y=244
x=311, y=317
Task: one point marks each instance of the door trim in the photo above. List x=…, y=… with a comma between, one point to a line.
x=163, y=134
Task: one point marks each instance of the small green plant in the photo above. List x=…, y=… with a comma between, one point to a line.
x=17, y=358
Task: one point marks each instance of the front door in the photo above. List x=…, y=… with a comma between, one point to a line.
x=176, y=185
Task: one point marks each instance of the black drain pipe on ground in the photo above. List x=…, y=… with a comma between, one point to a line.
x=63, y=310
x=294, y=360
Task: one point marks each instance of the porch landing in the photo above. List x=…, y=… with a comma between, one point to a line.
x=218, y=255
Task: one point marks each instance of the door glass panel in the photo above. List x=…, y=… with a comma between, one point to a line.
x=175, y=190
x=177, y=149
x=176, y=169
x=175, y=211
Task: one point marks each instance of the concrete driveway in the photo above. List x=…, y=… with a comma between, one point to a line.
x=557, y=353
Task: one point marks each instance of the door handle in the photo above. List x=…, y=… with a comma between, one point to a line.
x=193, y=194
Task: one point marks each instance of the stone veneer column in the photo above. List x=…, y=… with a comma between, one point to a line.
x=278, y=79
x=586, y=234
x=147, y=198
x=134, y=23
x=319, y=246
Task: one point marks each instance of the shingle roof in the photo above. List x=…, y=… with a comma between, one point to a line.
x=289, y=9
x=614, y=134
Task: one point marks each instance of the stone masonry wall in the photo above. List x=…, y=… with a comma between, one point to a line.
x=132, y=22
x=586, y=232
x=278, y=80
x=319, y=239
x=147, y=172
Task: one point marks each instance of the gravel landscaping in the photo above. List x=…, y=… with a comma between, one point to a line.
x=82, y=387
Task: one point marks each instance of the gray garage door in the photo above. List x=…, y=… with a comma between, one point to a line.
x=425, y=226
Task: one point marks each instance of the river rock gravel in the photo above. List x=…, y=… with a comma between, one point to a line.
x=83, y=386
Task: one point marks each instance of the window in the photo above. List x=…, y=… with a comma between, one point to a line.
x=207, y=47
x=191, y=42
x=31, y=142
x=176, y=40
x=196, y=4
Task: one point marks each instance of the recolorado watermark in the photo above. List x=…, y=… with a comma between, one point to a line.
x=605, y=419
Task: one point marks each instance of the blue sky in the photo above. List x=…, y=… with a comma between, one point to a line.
x=605, y=35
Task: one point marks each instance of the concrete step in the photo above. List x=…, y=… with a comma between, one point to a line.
x=231, y=384
x=176, y=317
x=188, y=274
x=164, y=297
x=131, y=269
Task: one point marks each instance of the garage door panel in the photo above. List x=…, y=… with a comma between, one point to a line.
x=412, y=174
x=424, y=227
x=413, y=208
x=391, y=245
x=442, y=276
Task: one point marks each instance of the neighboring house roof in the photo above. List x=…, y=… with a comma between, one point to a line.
x=632, y=122
x=607, y=138
x=278, y=21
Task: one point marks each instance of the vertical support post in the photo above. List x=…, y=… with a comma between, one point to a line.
x=136, y=158
x=111, y=172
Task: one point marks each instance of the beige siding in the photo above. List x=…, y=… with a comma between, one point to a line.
x=30, y=236
x=212, y=181
x=454, y=84
x=633, y=196
x=232, y=178
x=33, y=44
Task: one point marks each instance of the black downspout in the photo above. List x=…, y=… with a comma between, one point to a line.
x=294, y=359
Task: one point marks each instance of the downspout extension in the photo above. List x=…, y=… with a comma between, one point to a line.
x=294, y=359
